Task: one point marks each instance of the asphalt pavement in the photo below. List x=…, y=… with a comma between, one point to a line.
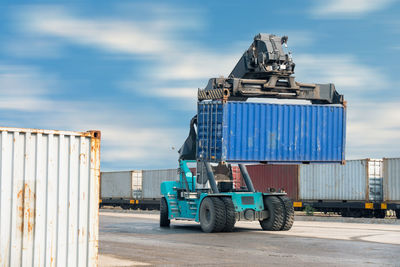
x=135, y=239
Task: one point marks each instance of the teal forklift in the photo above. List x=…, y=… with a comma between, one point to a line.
x=264, y=71
x=219, y=207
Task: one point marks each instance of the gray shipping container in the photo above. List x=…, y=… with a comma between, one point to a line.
x=152, y=180
x=49, y=198
x=391, y=177
x=120, y=184
x=334, y=181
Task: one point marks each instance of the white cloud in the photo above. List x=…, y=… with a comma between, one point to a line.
x=350, y=77
x=176, y=92
x=190, y=64
x=123, y=36
x=173, y=57
x=140, y=144
x=24, y=88
x=373, y=129
x=348, y=8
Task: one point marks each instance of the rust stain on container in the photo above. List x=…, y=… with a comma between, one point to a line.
x=29, y=204
x=26, y=199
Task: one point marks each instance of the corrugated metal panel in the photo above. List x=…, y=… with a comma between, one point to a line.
x=275, y=176
x=252, y=132
x=376, y=189
x=152, y=180
x=375, y=168
x=137, y=184
x=334, y=181
x=391, y=179
x=116, y=184
x=49, y=197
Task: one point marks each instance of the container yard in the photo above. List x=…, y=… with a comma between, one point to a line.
x=216, y=143
x=355, y=189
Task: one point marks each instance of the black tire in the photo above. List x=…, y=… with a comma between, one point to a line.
x=212, y=215
x=380, y=214
x=230, y=215
x=398, y=214
x=345, y=213
x=356, y=213
x=125, y=206
x=164, y=221
x=288, y=218
x=275, y=209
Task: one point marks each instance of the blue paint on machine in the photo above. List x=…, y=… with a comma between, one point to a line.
x=276, y=133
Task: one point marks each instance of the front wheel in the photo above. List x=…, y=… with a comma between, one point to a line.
x=398, y=214
x=164, y=220
x=230, y=214
x=212, y=215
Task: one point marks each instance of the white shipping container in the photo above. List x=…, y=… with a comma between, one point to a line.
x=334, y=181
x=49, y=197
x=152, y=180
x=120, y=184
x=391, y=179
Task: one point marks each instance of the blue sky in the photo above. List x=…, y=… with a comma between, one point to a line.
x=131, y=69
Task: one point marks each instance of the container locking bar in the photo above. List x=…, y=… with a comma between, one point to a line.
x=246, y=178
x=211, y=178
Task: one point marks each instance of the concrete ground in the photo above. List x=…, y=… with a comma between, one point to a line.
x=135, y=239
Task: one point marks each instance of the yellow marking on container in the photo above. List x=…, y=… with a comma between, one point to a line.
x=369, y=206
x=132, y=201
x=137, y=201
x=383, y=206
x=297, y=204
x=100, y=200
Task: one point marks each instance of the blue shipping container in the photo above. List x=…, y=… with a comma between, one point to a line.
x=275, y=133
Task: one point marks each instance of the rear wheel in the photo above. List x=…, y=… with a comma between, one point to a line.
x=230, y=214
x=288, y=217
x=398, y=214
x=212, y=215
x=379, y=214
x=345, y=213
x=164, y=221
x=125, y=206
x=275, y=220
x=356, y=213
x=368, y=214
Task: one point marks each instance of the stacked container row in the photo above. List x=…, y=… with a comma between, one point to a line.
x=135, y=184
x=357, y=180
